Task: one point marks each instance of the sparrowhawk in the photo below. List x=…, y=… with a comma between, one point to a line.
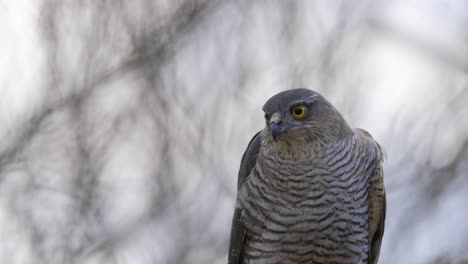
x=310, y=188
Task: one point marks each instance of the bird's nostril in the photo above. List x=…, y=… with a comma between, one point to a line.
x=275, y=119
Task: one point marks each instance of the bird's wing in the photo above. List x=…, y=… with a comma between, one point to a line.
x=377, y=209
x=238, y=230
x=377, y=197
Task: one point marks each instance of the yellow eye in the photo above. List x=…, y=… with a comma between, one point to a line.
x=267, y=118
x=298, y=111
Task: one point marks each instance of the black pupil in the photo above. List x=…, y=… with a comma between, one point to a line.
x=298, y=111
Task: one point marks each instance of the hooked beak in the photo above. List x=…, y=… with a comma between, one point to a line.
x=276, y=126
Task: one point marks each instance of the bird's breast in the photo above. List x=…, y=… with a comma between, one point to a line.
x=302, y=210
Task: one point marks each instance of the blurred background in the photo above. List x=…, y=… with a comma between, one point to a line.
x=122, y=123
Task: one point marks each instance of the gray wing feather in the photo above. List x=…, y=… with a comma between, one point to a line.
x=238, y=230
x=377, y=197
x=377, y=207
x=249, y=159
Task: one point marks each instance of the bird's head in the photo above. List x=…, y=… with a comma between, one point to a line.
x=302, y=116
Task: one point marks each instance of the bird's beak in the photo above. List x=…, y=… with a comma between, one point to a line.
x=276, y=126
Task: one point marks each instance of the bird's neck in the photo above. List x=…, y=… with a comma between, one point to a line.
x=292, y=151
x=302, y=149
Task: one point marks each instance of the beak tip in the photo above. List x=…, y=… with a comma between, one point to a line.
x=276, y=132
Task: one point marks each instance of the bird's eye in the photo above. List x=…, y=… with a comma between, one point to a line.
x=298, y=111
x=267, y=118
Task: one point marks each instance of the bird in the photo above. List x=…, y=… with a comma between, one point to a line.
x=310, y=187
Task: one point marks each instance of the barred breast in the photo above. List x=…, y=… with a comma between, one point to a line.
x=309, y=209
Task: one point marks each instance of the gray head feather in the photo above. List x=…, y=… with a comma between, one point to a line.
x=321, y=124
x=287, y=98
